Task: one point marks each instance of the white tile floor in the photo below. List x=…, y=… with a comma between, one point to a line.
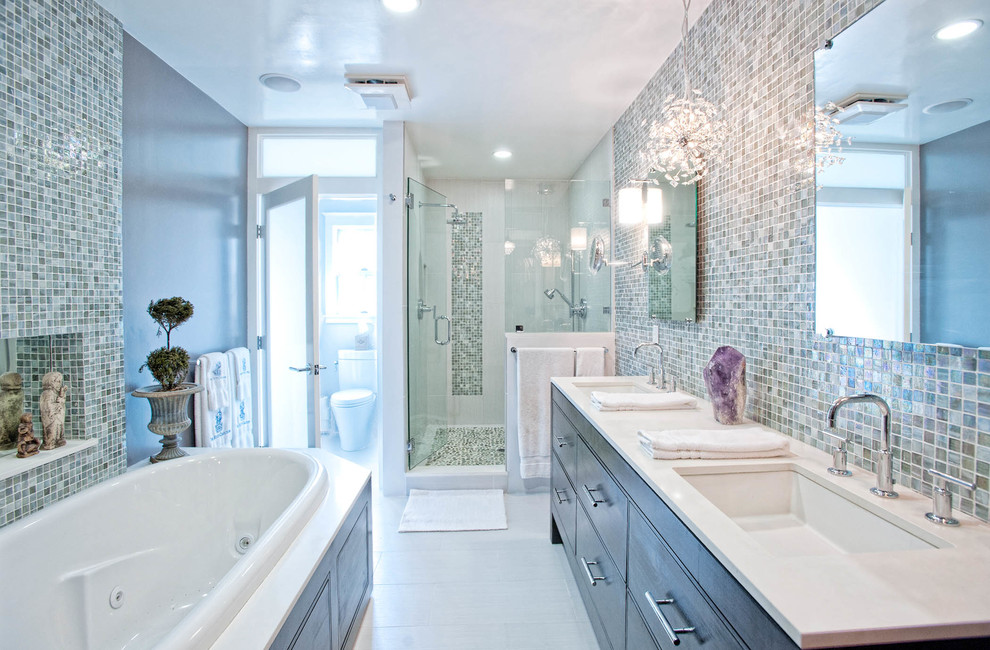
x=486, y=590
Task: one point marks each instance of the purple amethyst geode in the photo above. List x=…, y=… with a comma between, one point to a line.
x=725, y=378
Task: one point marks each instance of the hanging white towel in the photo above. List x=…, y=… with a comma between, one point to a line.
x=214, y=421
x=750, y=442
x=242, y=408
x=589, y=362
x=534, y=368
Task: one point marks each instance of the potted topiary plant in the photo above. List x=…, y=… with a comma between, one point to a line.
x=169, y=365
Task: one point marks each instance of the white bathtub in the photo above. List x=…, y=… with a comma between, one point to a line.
x=167, y=539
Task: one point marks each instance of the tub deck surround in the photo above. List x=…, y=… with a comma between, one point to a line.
x=165, y=538
x=261, y=618
x=818, y=600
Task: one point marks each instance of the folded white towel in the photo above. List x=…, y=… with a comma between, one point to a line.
x=713, y=443
x=641, y=401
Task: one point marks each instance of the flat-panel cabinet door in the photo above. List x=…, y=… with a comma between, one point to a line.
x=315, y=632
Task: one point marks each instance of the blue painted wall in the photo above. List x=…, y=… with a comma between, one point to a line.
x=955, y=225
x=184, y=222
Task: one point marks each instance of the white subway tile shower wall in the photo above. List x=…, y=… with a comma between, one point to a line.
x=60, y=238
x=756, y=256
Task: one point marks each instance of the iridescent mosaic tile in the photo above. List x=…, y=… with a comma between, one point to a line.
x=756, y=262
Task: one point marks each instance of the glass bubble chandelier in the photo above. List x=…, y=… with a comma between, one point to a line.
x=547, y=251
x=816, y=143
x=690, y=134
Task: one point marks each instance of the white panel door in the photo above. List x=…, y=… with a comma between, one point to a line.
x=291, y=338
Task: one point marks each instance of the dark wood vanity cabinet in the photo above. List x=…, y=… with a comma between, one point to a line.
x=328, y=613
x=622, y=542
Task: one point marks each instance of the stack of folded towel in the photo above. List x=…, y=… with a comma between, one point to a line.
x=678, y=444
x=641, y=401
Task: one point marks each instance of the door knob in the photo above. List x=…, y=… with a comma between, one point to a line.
x=308, y=368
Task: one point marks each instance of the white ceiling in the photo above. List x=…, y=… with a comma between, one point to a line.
x=891, y=50
x=543, y=78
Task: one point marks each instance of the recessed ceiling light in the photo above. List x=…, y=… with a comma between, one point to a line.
x=279, y=82
x=947, y=107
x=958, y=29
x=400, y=6
x=502, y=154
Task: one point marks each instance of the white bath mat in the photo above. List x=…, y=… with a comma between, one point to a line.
x=447, y=510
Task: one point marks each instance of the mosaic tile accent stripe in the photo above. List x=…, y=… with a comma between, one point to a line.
x=60, y=239
x=466, y=309
x=756, y=262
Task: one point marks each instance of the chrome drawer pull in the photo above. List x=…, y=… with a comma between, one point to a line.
x=591, y=497
x=670, y=630
x=560, y=441
x=592, y=578
x=557, y=492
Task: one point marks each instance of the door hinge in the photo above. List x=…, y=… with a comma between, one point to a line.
x=606, y=203
x=409, y=446
x=260, y=342
x=260, y=232
x=409, y=200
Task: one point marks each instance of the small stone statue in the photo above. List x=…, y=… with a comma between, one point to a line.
x=11, y=407
x=53, y=410
x=725, y=379
x=27, y=444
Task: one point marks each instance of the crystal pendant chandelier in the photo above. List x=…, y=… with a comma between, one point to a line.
x=690, y=134
x=816, y=143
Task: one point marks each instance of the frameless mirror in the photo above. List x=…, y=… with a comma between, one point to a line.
x=902, y=222
x=672, y=255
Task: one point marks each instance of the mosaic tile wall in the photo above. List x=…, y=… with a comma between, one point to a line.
x=60, y=238
x=466, y=306
x=661, y=294
x=756, y=255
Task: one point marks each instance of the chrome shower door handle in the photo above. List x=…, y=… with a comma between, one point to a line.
x=436, y=330
x=308, y=368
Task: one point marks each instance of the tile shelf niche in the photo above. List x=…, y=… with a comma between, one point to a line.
x=10, y=465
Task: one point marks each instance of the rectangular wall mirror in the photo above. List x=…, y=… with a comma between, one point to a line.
x=903, y=220
x=672, y=255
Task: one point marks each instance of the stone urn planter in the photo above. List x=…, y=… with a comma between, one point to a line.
x=169, y=416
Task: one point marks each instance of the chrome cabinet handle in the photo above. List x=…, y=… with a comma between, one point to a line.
x=308, y=368
x=668, y=629
x=436, y=330
x=560, y=441
x=591, y=497
x=592, y=578
x=557, y=492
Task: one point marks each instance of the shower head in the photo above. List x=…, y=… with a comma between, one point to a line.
x=549, y=293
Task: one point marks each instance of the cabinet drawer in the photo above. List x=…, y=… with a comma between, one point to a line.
x=604, y=502
x=653, y=571
x=605, y=584
x=563, y=502
x=637, y=633
x=563, y=440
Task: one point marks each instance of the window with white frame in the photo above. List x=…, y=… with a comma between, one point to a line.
x=351, y=262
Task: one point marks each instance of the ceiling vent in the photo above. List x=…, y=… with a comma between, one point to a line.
x=866, y=108
x=381, y=92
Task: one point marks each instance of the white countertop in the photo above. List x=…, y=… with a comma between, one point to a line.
x=818, y=600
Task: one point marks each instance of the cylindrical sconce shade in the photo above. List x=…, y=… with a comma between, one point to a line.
x=579, y=239
x=654, y=205
x=630, y=205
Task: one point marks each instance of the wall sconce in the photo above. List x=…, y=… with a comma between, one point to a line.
x=643, y=204
x=579, y=239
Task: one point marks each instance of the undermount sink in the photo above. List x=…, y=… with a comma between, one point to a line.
x=791, y=512
x=614, y=387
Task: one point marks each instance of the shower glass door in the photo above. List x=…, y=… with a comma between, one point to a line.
x=428, y=318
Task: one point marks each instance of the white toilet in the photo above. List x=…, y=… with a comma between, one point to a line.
x=353, y=405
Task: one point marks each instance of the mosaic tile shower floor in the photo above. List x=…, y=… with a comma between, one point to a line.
x=465, y=445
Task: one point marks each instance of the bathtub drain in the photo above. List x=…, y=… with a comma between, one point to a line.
x=117, y=597
x=244, y=542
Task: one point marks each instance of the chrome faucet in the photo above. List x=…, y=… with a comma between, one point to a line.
x=885, y=481
x=657, y=375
